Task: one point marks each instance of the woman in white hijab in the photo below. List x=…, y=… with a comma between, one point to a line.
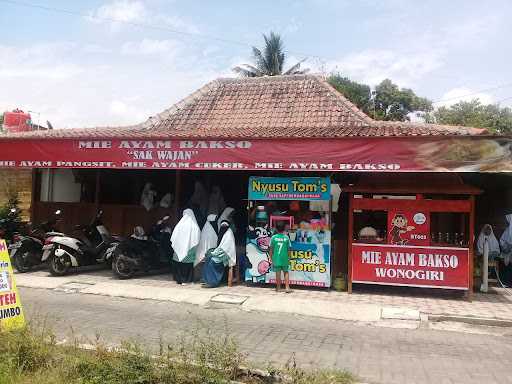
x=506, y=241
x=147, y=199
x=224, y=255
x=208, y=238
x=487, y=235
x=185, y=239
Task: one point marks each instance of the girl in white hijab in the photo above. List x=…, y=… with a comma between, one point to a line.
x=185, y=239
x=208, y=239
x=224, y=255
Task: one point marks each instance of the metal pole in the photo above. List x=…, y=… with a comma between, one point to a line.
x=485, y=268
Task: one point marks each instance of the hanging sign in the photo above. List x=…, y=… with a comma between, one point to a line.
x=408, y=227
x=431, y=267
x=11, y=312
x=289, y=188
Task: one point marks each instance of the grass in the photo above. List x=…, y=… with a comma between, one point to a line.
x=33, y=356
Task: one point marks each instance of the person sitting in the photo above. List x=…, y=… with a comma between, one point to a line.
x=217, y=259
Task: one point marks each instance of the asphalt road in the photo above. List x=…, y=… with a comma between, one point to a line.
x=375, y=354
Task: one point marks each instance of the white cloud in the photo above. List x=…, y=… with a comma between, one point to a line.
x=456, y=95
x=150, y=47
x=67, y=85
x=117, y=12
x=37, y=62
x=372, y=66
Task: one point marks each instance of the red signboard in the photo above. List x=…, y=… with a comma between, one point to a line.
x=431, y=267
x=408, y=227
x=390, y=154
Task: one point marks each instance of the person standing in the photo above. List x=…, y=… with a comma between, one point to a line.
x=185, y=239
x=279, y=252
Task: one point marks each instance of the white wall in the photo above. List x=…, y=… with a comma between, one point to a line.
x=58, y=185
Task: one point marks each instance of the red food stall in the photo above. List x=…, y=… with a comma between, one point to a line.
x=416, y=232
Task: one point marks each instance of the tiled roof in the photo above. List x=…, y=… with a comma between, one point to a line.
x=303, y=106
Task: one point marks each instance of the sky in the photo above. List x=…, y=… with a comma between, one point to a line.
x=117, y=62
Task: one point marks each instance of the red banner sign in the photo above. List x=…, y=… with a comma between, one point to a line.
x=407, y=227
x=430, y=267
x=347, y=154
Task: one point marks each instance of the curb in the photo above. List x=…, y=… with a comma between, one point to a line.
x=491, y=322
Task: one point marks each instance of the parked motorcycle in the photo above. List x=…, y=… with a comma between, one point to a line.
x=10, y=225
x=143, y=253
x=64, y=252
x=26, y=251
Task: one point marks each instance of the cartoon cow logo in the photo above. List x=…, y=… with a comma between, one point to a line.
x=258, y=242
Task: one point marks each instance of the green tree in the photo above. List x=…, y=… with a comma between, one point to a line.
x=270, y=61
x=474, y=114
x=357, y=93
x=394, y=103
x=386, y=102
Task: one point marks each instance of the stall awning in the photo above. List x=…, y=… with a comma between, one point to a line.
x=280, y=123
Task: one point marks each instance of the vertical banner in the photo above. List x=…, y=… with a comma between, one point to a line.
x=306, y=200
x=408, y=227
x=11, y=312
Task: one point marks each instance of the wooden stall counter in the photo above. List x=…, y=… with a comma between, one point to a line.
x=405, y=235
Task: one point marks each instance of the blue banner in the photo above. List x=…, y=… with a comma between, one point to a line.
x=289, y=188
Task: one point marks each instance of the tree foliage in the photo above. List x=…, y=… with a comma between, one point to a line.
x=475, y=114
x=357, y=93
x=269, y=61
x=387, y=102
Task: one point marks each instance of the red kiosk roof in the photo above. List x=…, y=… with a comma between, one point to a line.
x=303, y=106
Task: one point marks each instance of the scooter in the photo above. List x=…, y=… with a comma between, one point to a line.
x=9, y=226
x=143, y=253
x=62, y=253
x=26, y=251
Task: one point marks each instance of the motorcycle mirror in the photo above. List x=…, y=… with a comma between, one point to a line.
x=58, y=212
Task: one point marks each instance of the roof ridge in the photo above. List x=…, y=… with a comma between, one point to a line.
x=264, y=78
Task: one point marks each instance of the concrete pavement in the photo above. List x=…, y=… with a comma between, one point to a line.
x=376, y=354
x=366, y=304
x=265, y=300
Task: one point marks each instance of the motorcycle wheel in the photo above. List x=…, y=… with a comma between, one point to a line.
x=121, y=267
x=57, y=266
x=22, y=259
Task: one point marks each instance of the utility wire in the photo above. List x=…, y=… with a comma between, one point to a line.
x=200, y=36
x=473, y=93
x=142, y=25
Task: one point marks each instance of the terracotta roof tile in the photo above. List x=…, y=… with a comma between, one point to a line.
x=303, y=106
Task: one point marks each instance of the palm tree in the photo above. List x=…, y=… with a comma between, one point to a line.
x=270, y=62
